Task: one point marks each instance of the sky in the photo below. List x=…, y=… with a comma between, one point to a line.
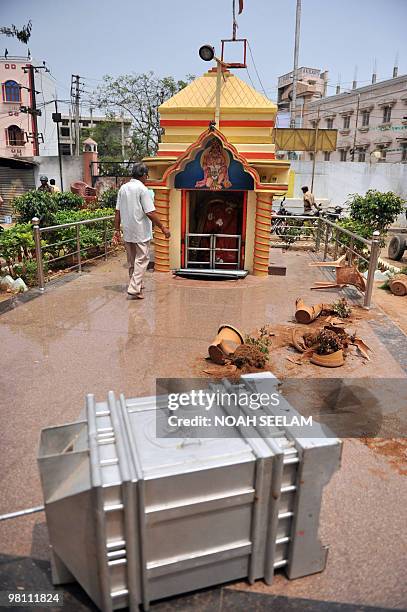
x=97, y=37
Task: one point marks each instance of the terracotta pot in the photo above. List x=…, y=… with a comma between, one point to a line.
x=349, y=275
x=225, y=343
x=398, y=284
x=334, y=360
x=305, y=314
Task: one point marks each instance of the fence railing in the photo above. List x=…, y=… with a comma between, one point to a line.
x=78, y=253
x=332, y=240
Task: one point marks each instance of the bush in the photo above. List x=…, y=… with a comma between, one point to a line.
x=27, y=270
x=66, y=200
x=108, y=198
x=36, y=204
x=17, y=245
x=90, y=235
x=376, y=210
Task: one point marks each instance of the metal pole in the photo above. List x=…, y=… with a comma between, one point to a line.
x=105, y=237
x=373, y=259
x=315, y=151
x=11, y=515
x=326, y=241
x=38, y=253
x=78, y=247
x=218, y=88
x=318, y=235
x=296, y=51
x=356, y=128
x=59, y=151
x=122, y=134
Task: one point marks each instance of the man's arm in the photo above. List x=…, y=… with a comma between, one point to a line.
x=155, y=219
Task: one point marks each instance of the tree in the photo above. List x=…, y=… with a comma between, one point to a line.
x=139, y=95
x=22, y=35
x=376, y=210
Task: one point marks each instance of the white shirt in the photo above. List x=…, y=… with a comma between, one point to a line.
x=134, y=200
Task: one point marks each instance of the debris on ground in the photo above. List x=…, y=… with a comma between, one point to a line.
x=305, y=314
x=229, y=350
x=345, y=275
x=328, y=346
x=394, y=449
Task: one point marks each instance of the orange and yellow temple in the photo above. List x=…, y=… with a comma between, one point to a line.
x=214, y=187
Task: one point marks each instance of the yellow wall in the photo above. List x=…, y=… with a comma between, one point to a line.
x=251, y=213
x=175, y=229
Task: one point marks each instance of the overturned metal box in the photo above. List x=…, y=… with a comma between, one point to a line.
x=134, y=518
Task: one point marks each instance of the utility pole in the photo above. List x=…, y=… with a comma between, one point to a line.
x=32, y=109
x=70, y=133
x=75, y=94
x=315, y=151
x=57, y=118
x=295, y=69
x=356, y=128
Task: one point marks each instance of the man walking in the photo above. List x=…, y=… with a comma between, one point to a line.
x=309, y=201
x=136, y=212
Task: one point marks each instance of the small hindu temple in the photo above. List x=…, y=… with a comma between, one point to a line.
x=214, y=181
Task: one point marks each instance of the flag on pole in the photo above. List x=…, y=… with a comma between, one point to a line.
x=240, y=6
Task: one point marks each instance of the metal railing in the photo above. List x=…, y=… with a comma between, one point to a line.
x=39, y=249
x=211, y=250
x=331, y=239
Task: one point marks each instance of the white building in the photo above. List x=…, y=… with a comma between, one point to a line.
x=371, y=122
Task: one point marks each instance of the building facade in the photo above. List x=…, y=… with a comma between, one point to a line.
x=371, y=122
x=311, y=85
x=120, y=127
x=23, y=134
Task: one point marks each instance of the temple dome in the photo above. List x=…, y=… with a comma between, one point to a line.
x=236, y=96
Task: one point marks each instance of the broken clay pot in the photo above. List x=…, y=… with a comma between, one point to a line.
x=398, y=284
x=333, y=360
x=225, y=343
x=305, y=314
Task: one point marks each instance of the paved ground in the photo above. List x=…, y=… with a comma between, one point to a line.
x=85, y=336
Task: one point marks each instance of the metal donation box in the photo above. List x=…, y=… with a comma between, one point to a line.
x=133, y=517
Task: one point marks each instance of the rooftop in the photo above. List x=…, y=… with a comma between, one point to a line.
x=236, y=95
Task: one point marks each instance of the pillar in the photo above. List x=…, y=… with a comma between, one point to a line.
x=161, y=243
x=264, y=202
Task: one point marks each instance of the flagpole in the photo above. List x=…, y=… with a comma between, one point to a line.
x=234, y=21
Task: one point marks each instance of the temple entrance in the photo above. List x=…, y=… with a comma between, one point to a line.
x=215, y=228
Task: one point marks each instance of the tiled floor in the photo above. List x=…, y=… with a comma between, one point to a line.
x=84, y=336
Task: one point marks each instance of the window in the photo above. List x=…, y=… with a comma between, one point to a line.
x=404, y=151
x=65, y=149
x=15, y=136
x=343, y=154
x=383, y=152
x=361, y=155
x=65, y=131
x=365, y=118
x=311, y=155
x=327, y=155
x=346, y=122
x=329, y=123
x=11, y=91
x=387, y=114
x=65, y=122
x=85, y=123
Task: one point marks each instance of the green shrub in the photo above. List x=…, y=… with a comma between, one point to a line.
x=36, y=204
x=90, y=235
x=67, y=201
x=376, y=210
x=17, y=245
x=27, y=270
x=108, y=198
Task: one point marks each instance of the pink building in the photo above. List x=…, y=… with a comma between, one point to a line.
x=23, y=134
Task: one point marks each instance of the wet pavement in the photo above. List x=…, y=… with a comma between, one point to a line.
x=84, y=336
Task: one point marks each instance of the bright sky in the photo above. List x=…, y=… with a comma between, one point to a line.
x=97, y=37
